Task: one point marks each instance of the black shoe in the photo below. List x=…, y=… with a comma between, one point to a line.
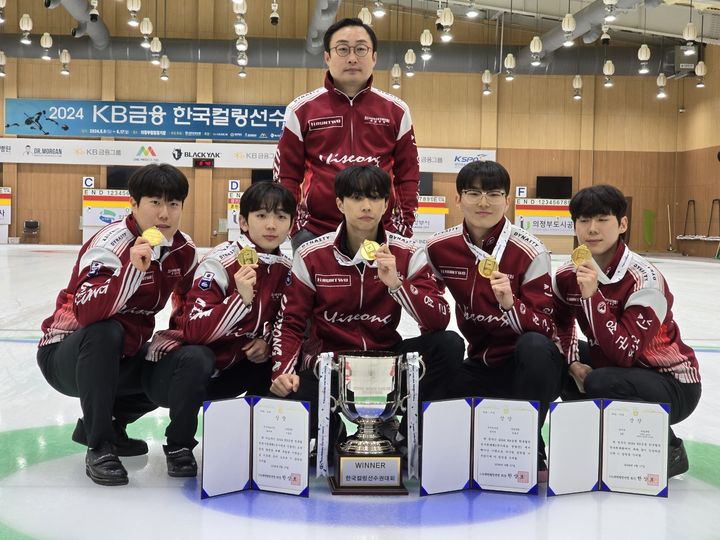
x=103, y=466
x=180, y=463
x=124, y=445
x=677, y=460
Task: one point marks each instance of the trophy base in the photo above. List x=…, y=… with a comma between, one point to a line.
x=367, y=474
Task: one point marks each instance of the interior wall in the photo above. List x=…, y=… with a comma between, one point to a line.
x=622, y=135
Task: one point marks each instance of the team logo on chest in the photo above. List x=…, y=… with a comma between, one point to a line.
x=332, y=280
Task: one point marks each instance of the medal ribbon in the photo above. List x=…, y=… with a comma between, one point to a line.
x=323, y=435
x=620, y=271
x=413, y=380
x=499, y=248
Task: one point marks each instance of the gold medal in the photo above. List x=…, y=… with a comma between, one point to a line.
x=153, y=235
x=368, y=249
x=247, y=255
x=487, y=266
x=580, y=255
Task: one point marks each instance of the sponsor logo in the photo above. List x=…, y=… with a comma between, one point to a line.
x=146, y=151
x=47, y=152
x=107, y=216
x=352, y=317
x=206, y=281
x=468, y=315
x=328, y=122
x=177, y=154
x=95, y=267
x=602, y=308
x=148, y=279
x=332, y=280
x=337, y=159
x=174, y=272
x=88, y=292
x=453, y=272
x=377, y=121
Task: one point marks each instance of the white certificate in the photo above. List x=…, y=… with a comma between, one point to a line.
x=574, y=447
x=505, y=445
x=635, y=447
x=281, y=445
x=226, y=446
x=445, y=461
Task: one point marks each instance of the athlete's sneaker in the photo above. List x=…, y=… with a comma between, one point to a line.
x=180, y=462
x=677, y=459
x=103, y=466
x=124, y=445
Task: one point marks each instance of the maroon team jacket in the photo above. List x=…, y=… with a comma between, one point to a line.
x=105, y=285
x=490, y=331
x=325, y=132
x=212, y=313
x=350, y=308
x=628, y=321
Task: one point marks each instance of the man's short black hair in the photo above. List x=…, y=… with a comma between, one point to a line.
x=268, y=196
x=342, y=23
x=485, y=175
x=599, y=200
x=163, y=181
x=362, y=181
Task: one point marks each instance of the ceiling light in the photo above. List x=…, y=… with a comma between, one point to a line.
x=46, y=42
x=133, y=7
x=26, y=25
x=65, y=61
x=378, y=10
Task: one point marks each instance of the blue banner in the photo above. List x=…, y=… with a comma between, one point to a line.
x=142, y=120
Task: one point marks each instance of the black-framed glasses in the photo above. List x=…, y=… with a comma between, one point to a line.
x=344, y=50
x=474, y=196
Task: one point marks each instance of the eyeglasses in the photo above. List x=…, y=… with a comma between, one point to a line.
x=474, y=196
x=344, y=50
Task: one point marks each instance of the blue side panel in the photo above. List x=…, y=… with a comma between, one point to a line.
x=604, y=486
x=607, y=403
x=598, y=402
x=255, y=400
x=423, y=493
x=477, y=401
x=469, y=401
x=425, y=405
x=247, y=485
x=475, y=485
x=663, y=493
x=550, y=492
x=467, y=485
x=249, y=400
x=305, y=492
x=553, y=405
x=206, y=405
x=533, y=490
x=203, y=494
x=306, y=404
x=253, y=485
x=666, y=407
x=535, y=404
x=596, y=487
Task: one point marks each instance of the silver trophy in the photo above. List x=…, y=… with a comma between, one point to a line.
x=369, y=394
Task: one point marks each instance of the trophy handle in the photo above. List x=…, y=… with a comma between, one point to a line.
x=333, y=404
x=333, y=363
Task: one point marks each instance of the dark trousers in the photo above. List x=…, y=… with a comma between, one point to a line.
x=535, y=372
x=89, y=364
x=181, y=381
x=636, y=384
x=441, y=352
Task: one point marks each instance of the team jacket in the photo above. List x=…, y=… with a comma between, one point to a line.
x=490, y=331
x=213, y=313
x=350, y=308
x=325, y=132
x=105, y=285
x=628, y=321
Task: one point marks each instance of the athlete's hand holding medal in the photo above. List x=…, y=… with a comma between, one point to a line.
x=386, y=264
x=499, y=282
x=246, y=277
x=587, y=277
x=141, y=253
